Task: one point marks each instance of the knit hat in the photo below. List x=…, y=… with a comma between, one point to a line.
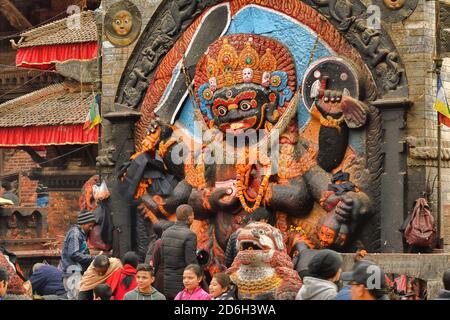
x=325, y=264
x=85, y=217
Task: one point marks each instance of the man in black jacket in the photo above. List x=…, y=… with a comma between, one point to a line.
x=178, y=247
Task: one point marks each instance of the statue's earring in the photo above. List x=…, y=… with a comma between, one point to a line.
x=272, y=114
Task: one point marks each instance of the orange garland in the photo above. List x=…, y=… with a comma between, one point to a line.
x=242, y=175
x=142, y=188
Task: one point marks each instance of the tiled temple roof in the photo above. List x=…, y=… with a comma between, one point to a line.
x=60, y=32
x=58, y=104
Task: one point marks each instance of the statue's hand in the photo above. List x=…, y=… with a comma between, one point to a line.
x=329, y=101
x=341, y=103
x=344, y=209
x=355, y=113
x=222, y=196
x=156, y=132
x=154, y=125
x=222, y=199
x=150, y=204
x=343, y=212
x=352, y=205
x=152, y=137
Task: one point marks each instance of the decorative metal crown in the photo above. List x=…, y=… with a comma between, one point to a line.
x=231, y=68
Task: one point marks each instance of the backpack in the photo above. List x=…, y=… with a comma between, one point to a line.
x=421, y=229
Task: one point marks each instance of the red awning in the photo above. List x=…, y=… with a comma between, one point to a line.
x=47, y=135
x=45, y=57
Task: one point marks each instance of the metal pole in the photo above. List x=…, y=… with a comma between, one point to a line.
x=438, y=65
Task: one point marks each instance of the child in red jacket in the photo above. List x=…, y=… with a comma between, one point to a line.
x=124, y=279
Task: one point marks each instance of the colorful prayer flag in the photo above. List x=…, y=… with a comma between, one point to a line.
x=441, y=104
x=93, y=117
x=444, y=120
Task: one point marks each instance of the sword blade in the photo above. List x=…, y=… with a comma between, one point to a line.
x=214, y=24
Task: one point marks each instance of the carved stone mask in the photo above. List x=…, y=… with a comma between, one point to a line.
x=247, y=75
x=122, y=22
x=213, y=84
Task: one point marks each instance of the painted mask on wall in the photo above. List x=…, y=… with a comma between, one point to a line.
x=122, y=22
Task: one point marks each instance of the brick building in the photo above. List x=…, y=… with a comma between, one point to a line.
x=52, y=149
x=63, y=169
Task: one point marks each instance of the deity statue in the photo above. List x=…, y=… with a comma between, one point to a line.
x=248, y=83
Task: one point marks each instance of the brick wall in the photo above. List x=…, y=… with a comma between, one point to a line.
x=27, y=193
x=62, y=213
x=63, y=206
x=414, y=39
x=17, y=161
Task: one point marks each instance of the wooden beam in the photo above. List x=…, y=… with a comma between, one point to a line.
x=37, y=253
x=13, y=15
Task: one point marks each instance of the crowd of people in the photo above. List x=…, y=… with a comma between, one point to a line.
x=171, y=270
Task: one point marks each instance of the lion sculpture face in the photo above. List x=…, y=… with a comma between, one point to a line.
x=257, y=243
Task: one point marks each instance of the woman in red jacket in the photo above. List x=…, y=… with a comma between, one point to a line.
x=124, y=279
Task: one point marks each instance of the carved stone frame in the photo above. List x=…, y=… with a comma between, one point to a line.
x=390, y=100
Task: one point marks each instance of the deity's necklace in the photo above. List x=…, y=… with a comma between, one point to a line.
x=243, y=172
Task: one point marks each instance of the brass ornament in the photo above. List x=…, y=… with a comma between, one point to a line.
x=123, y=22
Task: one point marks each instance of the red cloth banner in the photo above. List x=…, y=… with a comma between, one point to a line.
x=45, y=57
x=47, y=135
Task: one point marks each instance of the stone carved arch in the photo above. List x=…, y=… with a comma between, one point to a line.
x=172, y=19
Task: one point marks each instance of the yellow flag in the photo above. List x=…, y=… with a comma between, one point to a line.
x=441, y=104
